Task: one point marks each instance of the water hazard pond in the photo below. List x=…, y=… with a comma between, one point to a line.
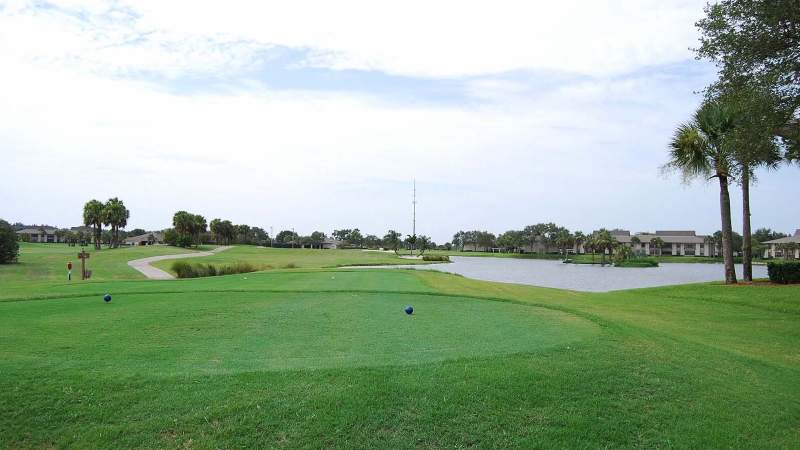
x=582, y=277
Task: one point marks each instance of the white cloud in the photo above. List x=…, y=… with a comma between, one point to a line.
x=75, y=123
x=415, y=38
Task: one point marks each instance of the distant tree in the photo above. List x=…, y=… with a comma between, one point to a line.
x=286, y=237
x=485, y=239
x=580, y=239
x=259, y=236
x=564, y=241
x=635, y=241
x=458, y=241
x=317, y=238
x=9, y=247
x=657, y=244
x=356, y=238
x=342, y=235
x=215, y=227
x=137, y=232
x=171, y=237
x=372, y=241
x=511, y=240
x=115, y=215
x=423, y=243
x=243, y=235
x=189, y=228
x=93, y=217
x=392, y=240
x=604, y=241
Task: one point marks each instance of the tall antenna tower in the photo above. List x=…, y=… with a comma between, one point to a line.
x=414, y=214
x=414, y=209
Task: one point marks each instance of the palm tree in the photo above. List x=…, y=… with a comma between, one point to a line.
x=711, y=244
x=754, y=146
x=699, y=148
x=657, y=243
x=116, y=215
x=635, y=241
x=580, y=239
x=93, y=217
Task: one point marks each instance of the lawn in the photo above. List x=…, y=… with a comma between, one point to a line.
x=316, y=358
x=276, y=258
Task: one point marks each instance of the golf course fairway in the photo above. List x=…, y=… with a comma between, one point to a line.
x=327, y=358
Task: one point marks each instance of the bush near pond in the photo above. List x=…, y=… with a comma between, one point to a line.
x=440, y=258
x=784, y=272
x=184, y=269
x=639, y=262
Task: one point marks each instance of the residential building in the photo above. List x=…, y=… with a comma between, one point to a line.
x=678, y=243
x=42, y=234
x=784, y=247
x=156, y=237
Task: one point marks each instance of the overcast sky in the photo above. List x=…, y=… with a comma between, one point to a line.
x=317, y=115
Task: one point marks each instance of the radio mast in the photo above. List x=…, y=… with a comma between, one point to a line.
x=414, y=209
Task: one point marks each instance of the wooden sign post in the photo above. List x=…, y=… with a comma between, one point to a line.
x=83, y=256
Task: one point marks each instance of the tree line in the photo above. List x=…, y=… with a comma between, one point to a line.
x=749, y=116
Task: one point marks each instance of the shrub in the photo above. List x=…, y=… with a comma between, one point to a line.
x=640, y=262
x=184, y=241
x=236, y=267
x=290, y=266
x=784, y=272
x=184, y=270
x=440, y=258
x=9, y=248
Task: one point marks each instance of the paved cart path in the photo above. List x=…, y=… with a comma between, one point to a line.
x=154, y=273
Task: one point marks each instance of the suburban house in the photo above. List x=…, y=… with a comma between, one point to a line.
x=44, y=234
x=778, y=248
x=682, y=243
x=330, y=243
x=156, y=237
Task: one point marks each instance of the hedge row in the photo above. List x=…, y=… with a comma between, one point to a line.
x=784, y=272
x=440, y=258
x=186, y=270
x=640, y=262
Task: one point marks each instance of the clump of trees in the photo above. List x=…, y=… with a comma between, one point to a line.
x=9, y=247
x=186, y=231
x=113, y=213
x=749, y=118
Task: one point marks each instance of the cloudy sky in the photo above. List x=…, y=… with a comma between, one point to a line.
x=317, y=115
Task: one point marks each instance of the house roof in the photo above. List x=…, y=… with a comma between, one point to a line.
x=47, y=230
x=669, y=237
x=787, y=240
x=144, y=238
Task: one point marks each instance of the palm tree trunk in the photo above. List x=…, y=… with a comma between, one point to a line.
x=747, y=245
x=727, y=231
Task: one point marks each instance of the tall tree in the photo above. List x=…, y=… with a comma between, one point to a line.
x=392, y=240
x=9, y=247
x=699, y=149
x=216, y=229
x=93, y=217
x=757, y=43
x=115, y=215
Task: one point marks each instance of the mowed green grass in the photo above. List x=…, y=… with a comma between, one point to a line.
x=267, y=258
x=326, y=358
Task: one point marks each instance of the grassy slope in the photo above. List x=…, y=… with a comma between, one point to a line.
x=276, y=258
x=171, y=364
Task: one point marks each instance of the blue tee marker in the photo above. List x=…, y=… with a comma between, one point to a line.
x=409, y=310
x=107, y=298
